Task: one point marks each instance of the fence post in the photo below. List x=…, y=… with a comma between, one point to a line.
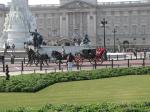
x=59, y=64
x=143, y=62
x=77, y=65
x=7, y=73
x=24, y=59
x=95, y=64
x=62, y=70
x=40, y=65
x=112, y=63
x=55, y=70
x=22, y=69
x=128, y=63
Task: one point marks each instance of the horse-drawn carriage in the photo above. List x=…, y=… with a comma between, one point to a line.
x=91, y=55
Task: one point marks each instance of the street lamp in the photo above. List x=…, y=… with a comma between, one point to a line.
x=114, y=31
x=104, y=22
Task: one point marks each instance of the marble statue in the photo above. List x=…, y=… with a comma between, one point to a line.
x=17, y=25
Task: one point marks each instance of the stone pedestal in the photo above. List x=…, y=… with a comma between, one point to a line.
x=17, y=35
x=17, y=38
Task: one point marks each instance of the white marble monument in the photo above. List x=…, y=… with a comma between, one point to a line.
x=17, y=25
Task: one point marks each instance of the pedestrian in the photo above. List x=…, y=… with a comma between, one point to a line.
x=70, y=59
x=7, y=73
x=13, y=48
x=12, y=58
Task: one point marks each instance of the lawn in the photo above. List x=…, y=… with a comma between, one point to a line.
x=125, y=89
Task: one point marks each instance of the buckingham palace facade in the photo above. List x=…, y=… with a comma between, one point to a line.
x=73, y=19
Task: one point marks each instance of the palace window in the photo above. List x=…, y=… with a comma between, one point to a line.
x=134, y=29
x=143, y=40
x=91, y=17
x=143, y=29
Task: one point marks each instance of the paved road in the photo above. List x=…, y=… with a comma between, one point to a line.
x=16, y=69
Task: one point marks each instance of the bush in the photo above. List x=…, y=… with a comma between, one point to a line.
x=36, y=82
x=105, y=107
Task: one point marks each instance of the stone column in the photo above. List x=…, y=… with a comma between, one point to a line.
x=64, y=25
x=66, y=32
x=92, y=27
x=81, y=25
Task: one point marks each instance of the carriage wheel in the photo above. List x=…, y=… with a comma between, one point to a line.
x=98, y=61
x=78, y=59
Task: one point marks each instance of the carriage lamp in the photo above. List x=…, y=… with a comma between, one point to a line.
x=114, y=31
x=104, y=22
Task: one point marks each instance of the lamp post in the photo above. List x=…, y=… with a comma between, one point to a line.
x=104, y=22
x=114, y=31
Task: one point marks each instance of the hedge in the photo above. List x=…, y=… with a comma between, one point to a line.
x=105, y=107
x=36, y=82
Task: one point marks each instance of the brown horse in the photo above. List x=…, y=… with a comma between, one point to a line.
x=36, y=58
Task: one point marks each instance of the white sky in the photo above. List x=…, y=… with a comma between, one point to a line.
x=32, y=2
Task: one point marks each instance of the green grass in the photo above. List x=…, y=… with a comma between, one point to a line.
x=127, y=89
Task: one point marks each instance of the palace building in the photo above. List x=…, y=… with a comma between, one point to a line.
x=73, y=19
